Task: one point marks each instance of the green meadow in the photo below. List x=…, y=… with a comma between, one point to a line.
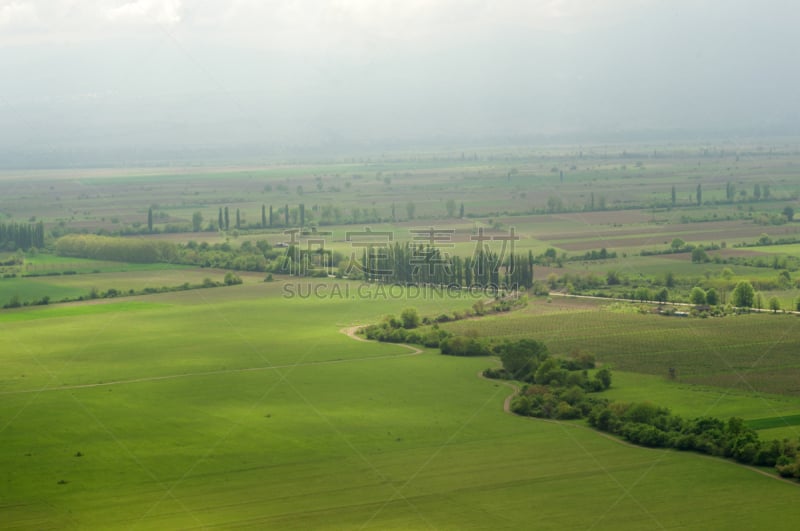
x=239, y=407
x=248, y=406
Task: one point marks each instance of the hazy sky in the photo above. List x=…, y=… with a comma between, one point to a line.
x=87, y=74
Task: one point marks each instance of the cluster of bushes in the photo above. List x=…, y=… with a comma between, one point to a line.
x=16, y=302
x=528, y=360
x=574, y=282
x=648, y=425
x=602, y=254
x=557, y=402
x=557, y=387
x=678, y=246
x=465, y=346
x=401, y=330
x=248, y=256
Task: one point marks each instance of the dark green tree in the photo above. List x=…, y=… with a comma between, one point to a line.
x=263, y=216
x=150, y=220
x=461, y=211
x=697, y=296
x=521, y=358
x=604, y=377
x=197, y=221
x=238, y=220
x=410, y=318
x=712, y=299
x=662, y=295
x=699, y=255
x=744, y=295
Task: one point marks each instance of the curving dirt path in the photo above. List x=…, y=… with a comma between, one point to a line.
x=350, y=332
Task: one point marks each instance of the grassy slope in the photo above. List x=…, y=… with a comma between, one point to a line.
x=405, y=442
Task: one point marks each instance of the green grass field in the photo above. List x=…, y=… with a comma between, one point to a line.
x=751, y=351
x=236, y=407
x=245, y=406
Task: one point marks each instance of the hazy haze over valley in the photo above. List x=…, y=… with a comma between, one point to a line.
x=125, y=81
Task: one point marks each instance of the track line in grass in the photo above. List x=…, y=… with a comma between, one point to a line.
x=348, y=331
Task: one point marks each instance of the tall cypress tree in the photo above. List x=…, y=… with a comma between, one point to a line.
x=150, y=219
x=270, y=215
x=286, y=215
x=227, y=219
x=238, y=220
x=263, y=216
x=302, y=215
x=220, y=221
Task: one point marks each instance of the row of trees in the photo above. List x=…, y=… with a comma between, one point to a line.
x=246, y=257
x=648, y=425
x=403, y=329
x=22, y=236
x=418, y=264
x=133, y=250
x=561, y=389
x=401, y=263
x=759, y=192
x=297, y=216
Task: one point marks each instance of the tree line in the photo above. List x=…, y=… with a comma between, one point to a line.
x=562, y=389
x=22, y=236
x=425, y=264
x=246, y=257
x=404, y=329
x=648, y=425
